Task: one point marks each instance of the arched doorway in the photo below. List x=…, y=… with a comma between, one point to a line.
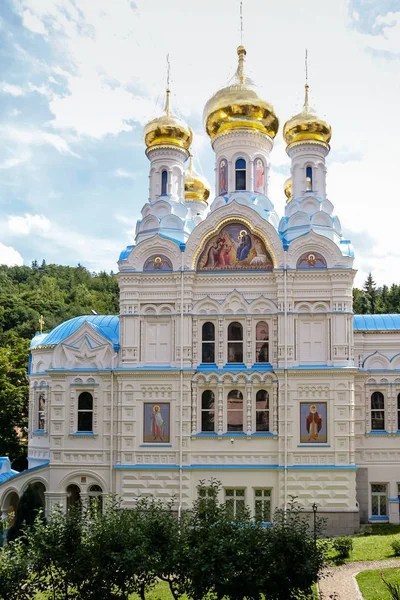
x=41, y=489
x=95, y=494
x=73, y=496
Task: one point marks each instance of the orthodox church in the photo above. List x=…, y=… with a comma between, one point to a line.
x=236, y=354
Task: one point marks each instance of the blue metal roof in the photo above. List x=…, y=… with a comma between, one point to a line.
x=376, y=322
x=105, y=325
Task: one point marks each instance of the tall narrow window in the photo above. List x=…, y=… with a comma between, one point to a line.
x=262, y=411
x=309, y=180
x=96, y=499
x=377, y=411
x=240, y=174
x=208, y=343
x=234, y=500
x=85, y=412
x=262, y=342
x=398, y=412
x=164, y=181
x=235, y=342
x=235, y=411
x=379, y=499
x=41, y=412
x=73, y=496
x=207, y=410
x=262, y=505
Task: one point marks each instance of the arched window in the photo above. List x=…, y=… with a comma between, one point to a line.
x=235, y=343
x=85, y=412
x=208, y=343
x=377, y=411
x=164, y=182
x=309, y=180
x=207, y=411
x=398, y=412
x=235, y=411
x=240, y=174
x=262, y=411
x=41, y=412
x=73, y=496
x=262, y=342
x=96, y=498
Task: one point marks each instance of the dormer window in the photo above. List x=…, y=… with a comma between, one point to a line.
x=164, y=182
x=240, y=174
x=309, y=181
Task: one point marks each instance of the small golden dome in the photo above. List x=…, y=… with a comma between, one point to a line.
x=306, y=126
x=288, y=189
x=196, y=187
x=239, y=105
x=167, y=130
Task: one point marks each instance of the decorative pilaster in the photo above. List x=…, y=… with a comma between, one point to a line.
x=195, y=403
x=275, y=407
x=220, y=342
x=248, y=407
x=249, y=343
x=220, y=390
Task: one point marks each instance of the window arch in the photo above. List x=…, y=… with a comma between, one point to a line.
x=240, y=174
x=41, y=425
x=309, y=178
x=208, y=411
x=262, y=342
x=95, y=494
x=377, y=411
x=85, y=412
x=235, y=411
x=164, y=182
x=262, y=410
x=235, y=342
x=208, y=343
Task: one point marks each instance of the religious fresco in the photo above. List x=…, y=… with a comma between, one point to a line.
x=311, y=260
x=313, y=426
x=259, y=176
x=158, y=262
x=223, y=177
x=156, y=423
x=235, y=247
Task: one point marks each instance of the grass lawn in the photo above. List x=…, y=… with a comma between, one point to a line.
x=372, y=586
x=372, y=547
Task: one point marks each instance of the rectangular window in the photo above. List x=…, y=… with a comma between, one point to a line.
x=235, y=411
x=234, y=500
x=41, y=412
x=379, y=499
x=262, y=505
x=207, y=411
x=377, y=411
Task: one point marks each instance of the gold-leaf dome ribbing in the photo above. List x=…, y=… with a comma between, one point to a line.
x=306, y=126
x=196, y=187
x=167, y=130
x=239, y=105
x=288, y=189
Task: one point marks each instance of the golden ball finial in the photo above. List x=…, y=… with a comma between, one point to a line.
x=197, y=188
x=306, y=126
x=288, y=189
x=239, y=105
x=167, y=130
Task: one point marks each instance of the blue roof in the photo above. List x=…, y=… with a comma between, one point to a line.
x=376, y=322
x=105, y=325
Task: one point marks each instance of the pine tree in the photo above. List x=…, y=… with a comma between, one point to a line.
x=371, y=291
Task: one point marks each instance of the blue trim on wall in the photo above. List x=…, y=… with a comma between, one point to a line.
x=378, y=518
x=83, y=434
x=394, y=499
x=234, y=366
x=378, y=432
x=39, y=432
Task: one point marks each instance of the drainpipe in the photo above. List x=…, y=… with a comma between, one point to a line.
x=285, y=472
x=181, y=398
x=112, y=425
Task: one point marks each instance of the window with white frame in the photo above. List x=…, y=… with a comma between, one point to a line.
x=262, y=505
x=235, y=411
x=208, y=343
x=235, y=502
x=377, y=411
x=207, y=411
x=262, y=342
x=85, y=412
x=235, y=342
x=41, y=422
x=262, y=410
x=379, y=499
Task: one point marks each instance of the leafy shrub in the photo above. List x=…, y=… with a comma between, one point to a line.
x=393, y=588
x=343, y=546
x=396, y=547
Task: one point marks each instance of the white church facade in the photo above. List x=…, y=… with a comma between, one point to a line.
x=235, y=355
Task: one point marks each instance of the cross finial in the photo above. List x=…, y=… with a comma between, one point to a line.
x=167, y=109
x=306, y=65
x=306, y=103
x=241, y=22
x=41, y=323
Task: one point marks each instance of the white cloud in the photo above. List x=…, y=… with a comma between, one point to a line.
x=15, y=161
x=29, y=136
x=33, y=23
x=9, y=256
x=124, y=174
x=28, y=224
x=8, y=88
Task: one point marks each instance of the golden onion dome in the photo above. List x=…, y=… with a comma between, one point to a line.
x=167, y=130
x=197, y=188
x=288, y=189
x=239, y=105
x=306, y=126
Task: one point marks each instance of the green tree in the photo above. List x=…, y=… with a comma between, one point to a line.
x=14, y=572
x=370, y=291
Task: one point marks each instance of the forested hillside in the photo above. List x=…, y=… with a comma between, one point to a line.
x=60, y=293
x=57, y=293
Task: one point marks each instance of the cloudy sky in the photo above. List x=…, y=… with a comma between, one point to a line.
x=80, y=78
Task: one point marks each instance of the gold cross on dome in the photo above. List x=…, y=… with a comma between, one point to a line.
x=41, y=323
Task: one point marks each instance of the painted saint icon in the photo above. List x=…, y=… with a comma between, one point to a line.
x=156, y=423
x=259, y=176
x=223, y=177
x=313, y=423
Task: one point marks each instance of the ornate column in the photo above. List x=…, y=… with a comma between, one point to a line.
x=248, y=407
x=195, y=325
x=195, y=402
x=249, y=343
x=275, y=407
x=367, y=409
x=220, y=343
x=220, y=390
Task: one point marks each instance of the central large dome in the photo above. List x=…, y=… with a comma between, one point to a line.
x=239, y=105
